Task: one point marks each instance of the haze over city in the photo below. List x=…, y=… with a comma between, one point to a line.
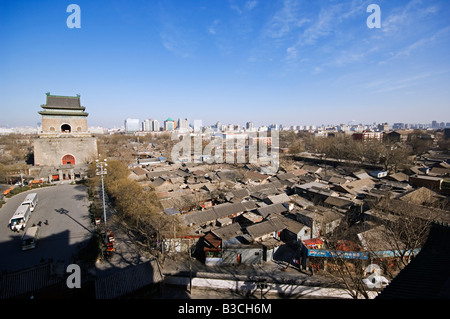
x=286, y=62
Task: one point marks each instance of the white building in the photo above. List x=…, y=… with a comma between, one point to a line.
x=132, y=125
x=183, y=125
x=155, y=126
x=147, y=125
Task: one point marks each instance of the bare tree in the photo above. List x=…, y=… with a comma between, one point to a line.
x=407, y=226
x=347, y=272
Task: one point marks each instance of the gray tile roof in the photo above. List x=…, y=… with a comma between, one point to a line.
x=27, y=280
x=265, y=228
x=271, y=209
x=216, y=212
x=65, y=102
x=228, y=232
x=128, y=280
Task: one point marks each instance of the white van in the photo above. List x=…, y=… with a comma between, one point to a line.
x=31, y=200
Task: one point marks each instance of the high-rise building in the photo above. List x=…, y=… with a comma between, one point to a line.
x=169, y=124
x=155, y=126
x=183, y=124
x=249, y=126
x=383, y=127
x=132, y=125
x=198, y=126
x=274, y=127
x=147, y=125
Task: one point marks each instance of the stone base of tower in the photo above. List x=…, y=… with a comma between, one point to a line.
x=64, y=151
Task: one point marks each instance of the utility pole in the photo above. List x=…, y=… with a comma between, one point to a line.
x=101, y=170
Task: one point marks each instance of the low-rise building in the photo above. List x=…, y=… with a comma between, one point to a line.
x=321, y=220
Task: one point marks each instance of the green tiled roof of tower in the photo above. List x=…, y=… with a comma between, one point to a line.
x=63, y=105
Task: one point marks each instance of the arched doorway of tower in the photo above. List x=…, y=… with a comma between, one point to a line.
x=65, y=128
x=68, y=159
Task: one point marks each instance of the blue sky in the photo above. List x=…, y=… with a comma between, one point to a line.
x=291, y=62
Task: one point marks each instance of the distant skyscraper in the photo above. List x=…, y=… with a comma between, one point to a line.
x=155, y=126
x=398, y=126
x=183, y=125
x=132, y=125
x=249, y=126
x=198, y=125
x=169, y=124
x=147, y=125
x=274, y=127
x=383, y=127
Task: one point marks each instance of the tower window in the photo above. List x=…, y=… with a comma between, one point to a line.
x=65, y=128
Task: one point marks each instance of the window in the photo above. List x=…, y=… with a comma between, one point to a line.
x=214, y=254
x=65, y=128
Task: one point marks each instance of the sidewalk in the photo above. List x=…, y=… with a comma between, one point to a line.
x=126, y=253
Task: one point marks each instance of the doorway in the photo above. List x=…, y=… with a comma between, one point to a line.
x=68, y=159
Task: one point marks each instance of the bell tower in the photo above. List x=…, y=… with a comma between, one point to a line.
x=64, y=141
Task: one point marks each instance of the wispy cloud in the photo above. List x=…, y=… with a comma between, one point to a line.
x=240, y=9
x=175, y=44
x=329, y=19
x=285, y=20
x=393, y=83
x=319, y=27
x=212, y=29
x=251, y=4
x=406, y=16
x=174, y=36
x=406, y=51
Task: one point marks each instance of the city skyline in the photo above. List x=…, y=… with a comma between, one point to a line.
x=153, y=125
x=285, y=62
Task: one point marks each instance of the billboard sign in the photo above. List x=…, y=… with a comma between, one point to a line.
x=337, y=254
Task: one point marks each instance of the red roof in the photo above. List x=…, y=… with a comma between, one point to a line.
x=213, y=240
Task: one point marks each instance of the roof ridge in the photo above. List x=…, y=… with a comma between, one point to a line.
x=73, y=97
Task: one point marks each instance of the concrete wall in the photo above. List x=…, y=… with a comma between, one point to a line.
x=252, y=255
x=50, y=151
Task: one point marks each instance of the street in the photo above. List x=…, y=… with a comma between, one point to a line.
x=63, y=216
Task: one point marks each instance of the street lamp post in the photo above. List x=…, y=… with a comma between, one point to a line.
x=101, y=170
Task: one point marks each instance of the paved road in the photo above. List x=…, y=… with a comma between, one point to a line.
x=66, y=209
